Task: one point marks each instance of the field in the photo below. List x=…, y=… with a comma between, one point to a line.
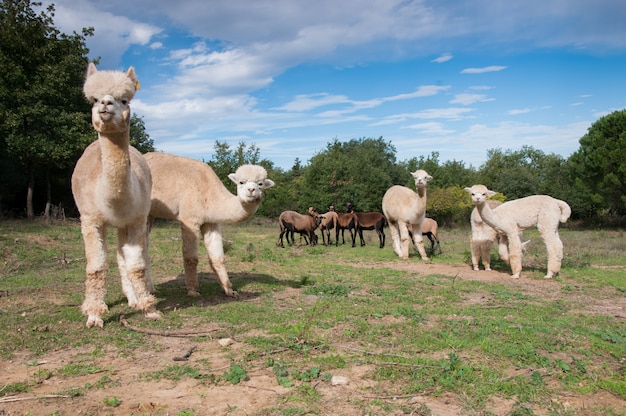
x=315, y=330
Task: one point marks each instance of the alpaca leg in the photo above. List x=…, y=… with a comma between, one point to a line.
x=131, y=251
x=190, y=259
x=485, y=253
x=395, y=238
x=515, y=254
x=215, y=248
x=149, y=282
x=554, y=246
x=405, y=240
x=475, y=250
x=418, y=240
x=93, y=306
x=503, y=249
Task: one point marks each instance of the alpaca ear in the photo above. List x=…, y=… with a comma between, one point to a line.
x=233, y=178
x=268, y=183
x=491, y=193
x=468, y=190
x=91, y=69
x=428, y=178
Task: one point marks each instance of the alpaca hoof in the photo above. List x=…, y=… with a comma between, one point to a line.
x=548, y=276
x=193, y=294
x=93, y=320
x=476, y=268
x=515, y=276
x=232, y=293
x=154, y=315
x=488, y=269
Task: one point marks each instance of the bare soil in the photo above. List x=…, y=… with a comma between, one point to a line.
x=139, y=396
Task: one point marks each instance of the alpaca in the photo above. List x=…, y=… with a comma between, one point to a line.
x=511, y=218
x=483, y=237
x=405, y=211
x=111, y=186
x=189, y=191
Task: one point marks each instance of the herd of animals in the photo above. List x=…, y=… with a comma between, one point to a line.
x=114, y=185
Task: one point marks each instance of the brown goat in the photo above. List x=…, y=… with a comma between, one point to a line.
x=369, y=221
x=346, y=221
x=291, y=222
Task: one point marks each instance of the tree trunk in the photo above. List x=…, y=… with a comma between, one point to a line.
x=29, y=194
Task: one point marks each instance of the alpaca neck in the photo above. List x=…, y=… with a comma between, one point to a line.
x=489, y=216
x=421, y=193
x=233, y=210
x=116, y=172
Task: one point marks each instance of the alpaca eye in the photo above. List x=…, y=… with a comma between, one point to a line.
x=124, y=102
x=241, y=182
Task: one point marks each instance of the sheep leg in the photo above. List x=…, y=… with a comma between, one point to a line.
x=212, y=234
x=131, y=248
x=94, y=306
x=554, y=247
x=190, y=258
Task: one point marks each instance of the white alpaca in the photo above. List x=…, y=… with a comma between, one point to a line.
x=189, y=191
x=111, y=185
x=405, y=210
x=511, y=218
x=483, y=237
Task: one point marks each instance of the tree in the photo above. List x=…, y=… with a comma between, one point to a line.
x=44, y=118
x=357, y=171
x=600, y=161
x=139, y=139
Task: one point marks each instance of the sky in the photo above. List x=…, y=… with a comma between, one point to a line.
x=457, y=77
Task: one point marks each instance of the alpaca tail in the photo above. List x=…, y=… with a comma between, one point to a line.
x=566, y=211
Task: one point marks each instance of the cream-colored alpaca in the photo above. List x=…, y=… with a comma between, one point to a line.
x=189, y=191
x=111, y=185
x=405, y=210
x=511, y=218
x=483, y=237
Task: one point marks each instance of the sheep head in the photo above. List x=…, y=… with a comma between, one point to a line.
x=251, y=181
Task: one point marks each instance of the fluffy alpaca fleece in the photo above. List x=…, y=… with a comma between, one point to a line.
x=483, y=237
x=111, y=184
x=511, y=218
x=189, y=191
x=405, y=210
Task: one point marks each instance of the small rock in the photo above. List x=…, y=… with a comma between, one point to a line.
x=339, y=381
x=225, y=342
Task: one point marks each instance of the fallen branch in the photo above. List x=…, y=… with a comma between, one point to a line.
x=10, y=399
x=181, y=333
x=186, y=356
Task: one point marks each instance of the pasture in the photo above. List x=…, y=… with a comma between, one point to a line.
x=315, y=330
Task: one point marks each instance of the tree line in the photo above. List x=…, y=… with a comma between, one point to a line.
x=45, y=126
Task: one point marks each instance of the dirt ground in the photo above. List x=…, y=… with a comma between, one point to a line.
x=261, y=391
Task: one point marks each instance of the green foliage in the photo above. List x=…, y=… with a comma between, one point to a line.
x=235, y=374
x=112, y=401
x=600, y=160
x=139, y=138
x=44, y=118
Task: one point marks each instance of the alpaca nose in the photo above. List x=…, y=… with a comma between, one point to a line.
x=107, y=100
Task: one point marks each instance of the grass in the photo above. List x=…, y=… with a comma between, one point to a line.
x=307, y=313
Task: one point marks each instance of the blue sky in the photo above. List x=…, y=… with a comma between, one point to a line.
x=449, y=76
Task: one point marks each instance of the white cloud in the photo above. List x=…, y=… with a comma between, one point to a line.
x=467, y=99
x=492, y=68
x=443, y=58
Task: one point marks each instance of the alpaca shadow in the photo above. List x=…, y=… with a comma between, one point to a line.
x=173, y=294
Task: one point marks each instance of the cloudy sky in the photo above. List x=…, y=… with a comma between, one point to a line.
x=457, y=77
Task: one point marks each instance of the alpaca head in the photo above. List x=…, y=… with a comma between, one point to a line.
x=251, y=181
x=421, y=178
x=110, y=93
x=479, y=193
